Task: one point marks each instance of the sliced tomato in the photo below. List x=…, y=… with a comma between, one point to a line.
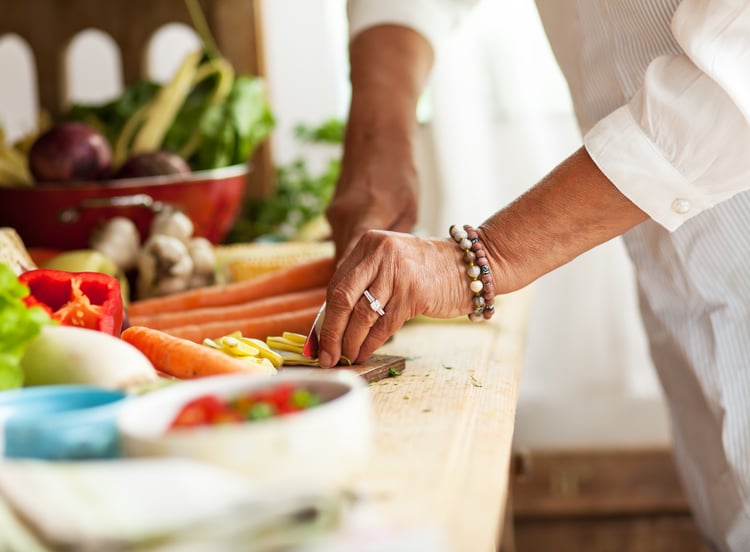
x=200, y=411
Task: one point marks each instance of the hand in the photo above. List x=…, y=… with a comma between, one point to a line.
x=377, y=189
x=408, y=275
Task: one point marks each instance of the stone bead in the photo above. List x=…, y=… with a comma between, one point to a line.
x=473, y=271
x=484, y=269
x=479, y=301
x=474, y=317
x=458, y=233
x=469, y=257
x=481, y=261
x=475, y=286
x=464, y=244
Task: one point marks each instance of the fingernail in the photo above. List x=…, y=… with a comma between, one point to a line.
x=325, y=359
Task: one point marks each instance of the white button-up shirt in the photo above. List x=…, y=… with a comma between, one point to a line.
x=665, y=129
x=661, y=90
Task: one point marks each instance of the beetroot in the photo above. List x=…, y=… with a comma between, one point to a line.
x=153, y=163
x=69, y=152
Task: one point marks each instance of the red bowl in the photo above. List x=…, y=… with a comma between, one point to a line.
x=62, y=216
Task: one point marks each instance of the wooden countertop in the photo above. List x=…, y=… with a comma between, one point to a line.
x=443, y=434
x=444, y=427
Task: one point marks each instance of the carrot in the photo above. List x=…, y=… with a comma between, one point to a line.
x=307, y=275
x=182, y=358
x=261, y=307
x=298, y=321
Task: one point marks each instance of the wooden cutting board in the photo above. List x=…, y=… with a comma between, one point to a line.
x=376, y=368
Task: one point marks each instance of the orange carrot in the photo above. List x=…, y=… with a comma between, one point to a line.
x=262, y=307
x=182, y=358
x=298, y=321
x=307, y=275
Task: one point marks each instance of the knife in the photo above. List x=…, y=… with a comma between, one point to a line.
x=310, y=348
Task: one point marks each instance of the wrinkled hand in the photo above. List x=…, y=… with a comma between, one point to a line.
x=377, y=190
x=408, y=275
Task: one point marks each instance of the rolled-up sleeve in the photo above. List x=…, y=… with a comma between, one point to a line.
x=682, y=144
x=431, y=18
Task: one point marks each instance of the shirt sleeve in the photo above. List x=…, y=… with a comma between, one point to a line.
x=433, y=19
x=682, y=143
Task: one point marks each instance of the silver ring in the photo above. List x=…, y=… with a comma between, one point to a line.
x=374, y=303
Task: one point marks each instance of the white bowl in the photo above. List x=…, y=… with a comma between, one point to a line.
x=326, y=445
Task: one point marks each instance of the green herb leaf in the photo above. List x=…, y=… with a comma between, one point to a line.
x=393, y=373
x=447, y=367
x=299, y=195
x=331, y=132
x=475, y=382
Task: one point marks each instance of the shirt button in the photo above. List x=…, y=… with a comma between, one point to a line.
x=681, y=206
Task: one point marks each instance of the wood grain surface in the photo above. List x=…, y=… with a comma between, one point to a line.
x=376, y=368
x=444, y=428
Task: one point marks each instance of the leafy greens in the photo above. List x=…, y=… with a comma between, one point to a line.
x=230, y=130
x=300, y=195
x=19, y=324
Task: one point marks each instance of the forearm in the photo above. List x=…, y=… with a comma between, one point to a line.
x=572, y=210
x=390, y=65
x=378, y=186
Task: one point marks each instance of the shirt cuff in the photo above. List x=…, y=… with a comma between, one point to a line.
x=630, y=160
x=431, y=19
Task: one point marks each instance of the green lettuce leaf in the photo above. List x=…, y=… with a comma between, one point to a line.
x=18, y=326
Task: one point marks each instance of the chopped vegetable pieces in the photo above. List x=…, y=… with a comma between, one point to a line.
x=260, y=404
x=185, y=359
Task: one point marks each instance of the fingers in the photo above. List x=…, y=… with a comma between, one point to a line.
x=343, y=294
x=407, y=276
x=367, y=312
x=350, y=317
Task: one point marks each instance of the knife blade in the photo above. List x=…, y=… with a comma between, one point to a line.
x=310, y=348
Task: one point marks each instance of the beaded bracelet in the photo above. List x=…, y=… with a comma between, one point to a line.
x=478, y=269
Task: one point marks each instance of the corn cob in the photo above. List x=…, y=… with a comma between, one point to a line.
x=245, y=261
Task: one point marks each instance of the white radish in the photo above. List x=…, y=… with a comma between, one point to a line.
x=74, y=355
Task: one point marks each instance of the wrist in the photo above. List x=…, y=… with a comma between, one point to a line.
x=478, y=271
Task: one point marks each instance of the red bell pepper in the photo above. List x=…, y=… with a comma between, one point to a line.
x=87, y=299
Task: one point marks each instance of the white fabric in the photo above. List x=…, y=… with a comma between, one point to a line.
x=432, y=18
x=689, y=124
x=662, y=91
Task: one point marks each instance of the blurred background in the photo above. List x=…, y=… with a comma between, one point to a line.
x=491, y=120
